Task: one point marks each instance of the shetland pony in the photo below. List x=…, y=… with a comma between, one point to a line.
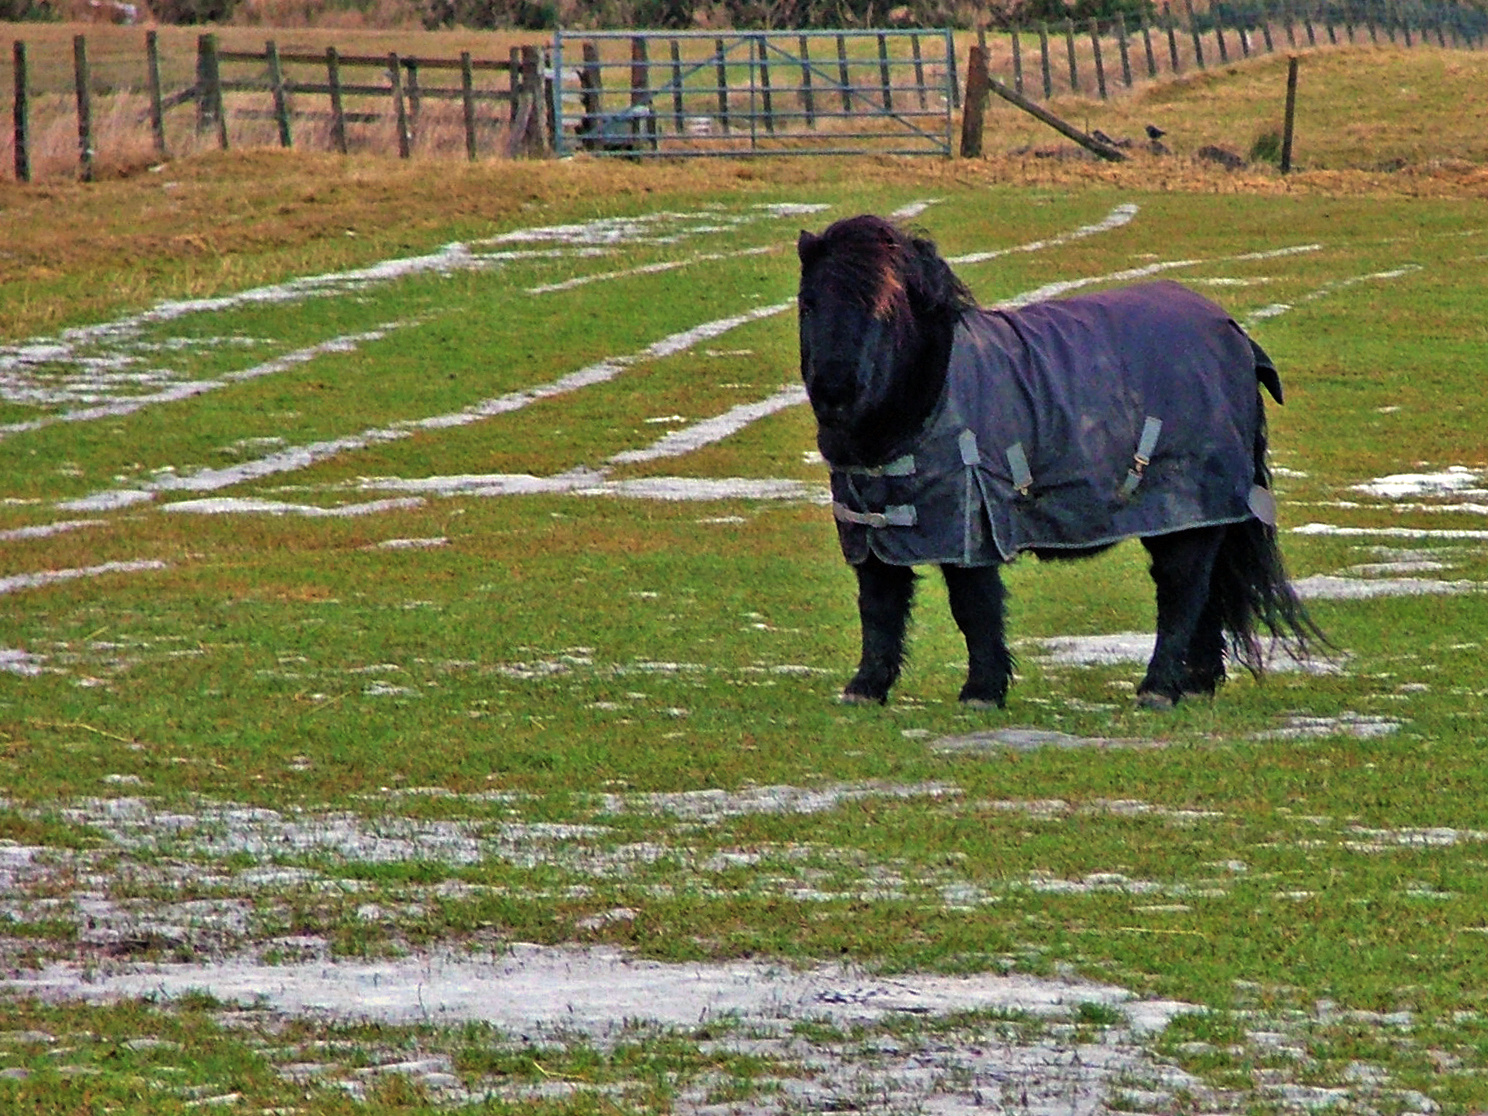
x=960, y=437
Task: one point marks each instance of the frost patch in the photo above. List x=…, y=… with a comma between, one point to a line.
x=1136, y=647
x=1326, y=587
x=18, y=582
x=713, y=805
x=1299, y=726
x=1456, y=480
x=1028, y=740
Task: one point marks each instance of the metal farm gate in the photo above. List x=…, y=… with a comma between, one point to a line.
x=670, y=94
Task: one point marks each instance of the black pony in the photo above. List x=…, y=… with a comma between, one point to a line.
x=960, y=437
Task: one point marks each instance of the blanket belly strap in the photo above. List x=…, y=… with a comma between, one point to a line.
x=1143, y=457
x=895, y=515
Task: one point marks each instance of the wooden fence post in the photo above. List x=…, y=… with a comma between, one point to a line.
x=338, y=113
x=640, y=93
x=842, y=74
x=973, y=115
x=1147, y=46
x=21, y=114
x=1069, y=48
x=1266, y=27
x=767, y=100
x=83, y=81
x=1218, y=16
x=281, y=103
x=1172, y=38
x=1193, y=29
x=678, y=122
x=152, y=84
x=808, y=98
x=1044, y=61
x=1291, y=112
x=400, y=107
x=723, y=88
x=1100, y=68
x=919, y=67
x=467, y=102
x=1126, y=74
x=591, y=90
x=1017, y=62
x=209, y=108
x=535, y=136
x=883, y=73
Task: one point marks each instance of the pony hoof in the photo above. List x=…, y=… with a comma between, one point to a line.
x=981, y=703
x=1158, y=703
x=847, y=697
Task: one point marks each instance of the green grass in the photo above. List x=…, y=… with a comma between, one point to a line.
x=561, y=658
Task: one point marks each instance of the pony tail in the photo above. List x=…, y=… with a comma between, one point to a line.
x=1249, y=588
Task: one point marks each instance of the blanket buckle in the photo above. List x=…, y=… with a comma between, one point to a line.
x=1143, y=456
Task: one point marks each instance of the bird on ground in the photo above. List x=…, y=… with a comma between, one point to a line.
x=1154, y=132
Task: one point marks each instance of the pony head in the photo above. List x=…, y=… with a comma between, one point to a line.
x=878, y=308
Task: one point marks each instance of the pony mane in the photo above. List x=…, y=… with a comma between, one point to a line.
x=890, y=271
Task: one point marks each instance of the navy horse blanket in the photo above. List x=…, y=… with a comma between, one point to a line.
x=1071, y=424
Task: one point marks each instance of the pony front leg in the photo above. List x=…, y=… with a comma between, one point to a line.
x=885, y=594
x=977, y=597
x=1182, y=568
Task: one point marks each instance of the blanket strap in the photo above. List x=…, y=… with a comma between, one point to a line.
x=1143, y=457
x=1018, y=462
x=895, y=515
x=899, y=467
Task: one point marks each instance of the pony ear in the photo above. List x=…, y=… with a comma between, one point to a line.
x=808, y=247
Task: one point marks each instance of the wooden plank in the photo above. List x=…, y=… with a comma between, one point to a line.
x=1105, y=151
x=82, y=80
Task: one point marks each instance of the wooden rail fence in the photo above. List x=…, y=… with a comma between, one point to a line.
x=1039, y=62
x=1089, y=57
x=357, y=90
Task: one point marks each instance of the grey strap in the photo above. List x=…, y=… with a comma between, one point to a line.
x=899, y=467
x=1143, y=457
x=895, y=515
x=970, y=455
x=1018, y=462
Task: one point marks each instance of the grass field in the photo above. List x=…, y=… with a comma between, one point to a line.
x=421, y=633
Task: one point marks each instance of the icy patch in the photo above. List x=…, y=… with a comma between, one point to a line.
x=1388, y=532
x=714, y=805
x=112, y=500
x=410, y=544
x=239, y=505
x=49, y=577
x=913, y=209
x=1456, y=480
x=46, y=530
x=14, y=661
x=713, y=430
x=1119, y=216
x=1028, y=740
x=1363, y=726
x=540, y=990
x=1326, y=587
x=1136, y=647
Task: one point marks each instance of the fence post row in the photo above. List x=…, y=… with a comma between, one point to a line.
x=532, y=107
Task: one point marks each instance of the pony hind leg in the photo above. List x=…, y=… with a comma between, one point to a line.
x=885, y=595
x=1182, y=568
x=977, y=596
